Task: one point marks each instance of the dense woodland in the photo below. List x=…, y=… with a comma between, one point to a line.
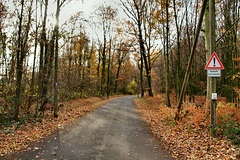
x=43, y=62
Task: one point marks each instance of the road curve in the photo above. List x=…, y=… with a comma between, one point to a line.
x=114, y=131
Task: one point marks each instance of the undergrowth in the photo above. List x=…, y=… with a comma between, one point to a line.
x=190, y=137
x=193, y=116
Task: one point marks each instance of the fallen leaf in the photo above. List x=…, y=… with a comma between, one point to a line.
x=53, y=153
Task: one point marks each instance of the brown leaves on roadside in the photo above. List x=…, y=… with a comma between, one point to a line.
x=188, y=138
x=12, y=139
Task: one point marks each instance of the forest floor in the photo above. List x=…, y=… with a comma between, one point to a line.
x=189, y=138
x=19, y=136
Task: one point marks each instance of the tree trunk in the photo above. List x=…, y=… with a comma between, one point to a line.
x=108, y=71
x=208, y=55
x=42, y=48
x=98, y=70
x=44, y=78
x=56, y=63
x=178, y=75
x=34, y=63
x=19, y=65
x=190, y=60
x=141, y=77
x=143, y=53
x=118, y=71
x=103, y=65
x=167, y=60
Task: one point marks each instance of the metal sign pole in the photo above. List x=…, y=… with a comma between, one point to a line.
x=213, y=106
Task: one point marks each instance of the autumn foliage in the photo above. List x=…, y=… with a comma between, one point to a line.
x=190, y=138
x=19, y=135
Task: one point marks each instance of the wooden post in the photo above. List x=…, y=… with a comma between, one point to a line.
x=213, y=79
x=213, y=108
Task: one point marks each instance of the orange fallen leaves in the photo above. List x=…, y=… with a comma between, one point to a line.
x=12, y=139
x=188, y=138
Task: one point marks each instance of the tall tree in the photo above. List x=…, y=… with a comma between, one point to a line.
x=22, y=43
x=34, y=62
x=106, y=15
x=208, y=54
x=56, y=60
x=136, y=11
x=43, y=49
x=167, y=57
x=178, y=75
x=19, y=64
x=186, y=77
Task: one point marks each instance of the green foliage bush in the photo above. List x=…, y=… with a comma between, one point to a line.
x=131, y=91
x=229, y=128
x=132, y=88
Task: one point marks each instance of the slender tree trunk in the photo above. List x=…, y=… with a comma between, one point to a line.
x=34, y=62
x=19, y=65
x=69, y=64
x=190, y=60
x=142, y=48
x=141, y=76
x=56, y=62
x=167, y=60
x=44, y=78
x=103, y=66
x=12, y=71
x=83, y=72
x=51, y=59
x=109, y=62
x=143, y=53
x=191, y=97
x=42, y=48
x=178, y=76
x=208, y=55
x=98, y=70
x=118, y=71
x=89, y=65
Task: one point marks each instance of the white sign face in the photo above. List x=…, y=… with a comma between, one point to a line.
x=214, y=73
x=214, y=63
x=214, y=96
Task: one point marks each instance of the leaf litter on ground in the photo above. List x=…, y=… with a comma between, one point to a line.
x=188, y=138
x=16, y=138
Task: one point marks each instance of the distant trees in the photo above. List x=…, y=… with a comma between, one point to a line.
x=149, y=48
x=107, y=16
x=137, y=12
x=176, y=45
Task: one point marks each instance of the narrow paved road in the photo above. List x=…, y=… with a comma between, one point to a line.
x=113, y=132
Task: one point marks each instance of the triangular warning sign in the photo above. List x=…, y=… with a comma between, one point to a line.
x=214, y=63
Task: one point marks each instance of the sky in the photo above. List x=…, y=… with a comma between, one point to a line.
x=71, y=8
x=86, y=6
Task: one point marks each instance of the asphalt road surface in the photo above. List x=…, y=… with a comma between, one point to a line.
x=113, y=132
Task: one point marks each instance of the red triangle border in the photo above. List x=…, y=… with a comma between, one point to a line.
x=207, y=66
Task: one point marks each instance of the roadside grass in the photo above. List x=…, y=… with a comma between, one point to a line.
x=189, y=138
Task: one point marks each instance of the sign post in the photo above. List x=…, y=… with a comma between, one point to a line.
x=214, y=67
